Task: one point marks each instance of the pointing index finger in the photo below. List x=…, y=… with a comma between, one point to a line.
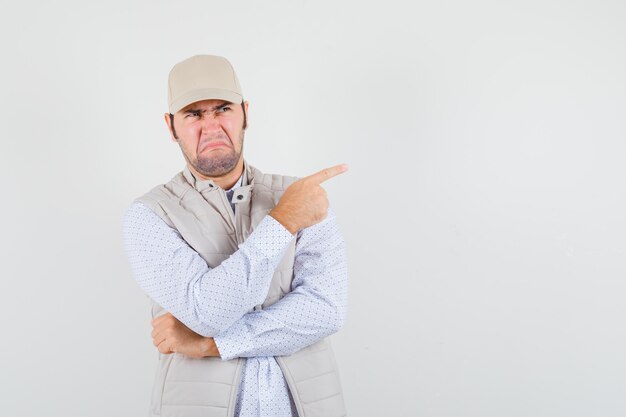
x=328, y=173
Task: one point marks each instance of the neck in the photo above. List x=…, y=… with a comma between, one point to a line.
x=225, y=181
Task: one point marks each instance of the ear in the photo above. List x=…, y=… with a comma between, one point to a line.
x=168, y=122
x=245, y=107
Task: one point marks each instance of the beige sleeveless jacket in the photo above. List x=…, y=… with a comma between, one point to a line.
x=208, y=387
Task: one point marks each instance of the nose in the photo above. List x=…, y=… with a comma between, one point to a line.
x=209, y=123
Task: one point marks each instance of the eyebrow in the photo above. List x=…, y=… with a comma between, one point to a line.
x=218, y=106
x=194, y=111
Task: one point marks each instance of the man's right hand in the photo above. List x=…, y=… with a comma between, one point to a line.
x=304, y=202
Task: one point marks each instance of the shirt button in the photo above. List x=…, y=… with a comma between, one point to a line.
x=239, y=197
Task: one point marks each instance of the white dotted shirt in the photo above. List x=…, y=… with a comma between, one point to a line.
x=216, y=301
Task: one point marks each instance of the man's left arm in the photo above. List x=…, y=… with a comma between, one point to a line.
x=315, y=308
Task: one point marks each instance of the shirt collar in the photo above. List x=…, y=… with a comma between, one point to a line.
x=237, y=184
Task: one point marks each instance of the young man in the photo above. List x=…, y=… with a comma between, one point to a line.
x=246, y=271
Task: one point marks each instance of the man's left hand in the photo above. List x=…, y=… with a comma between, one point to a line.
x=169, y=335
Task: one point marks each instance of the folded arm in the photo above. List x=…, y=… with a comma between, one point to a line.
x=207, y=300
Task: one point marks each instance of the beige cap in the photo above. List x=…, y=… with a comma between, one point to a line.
x=202, y=77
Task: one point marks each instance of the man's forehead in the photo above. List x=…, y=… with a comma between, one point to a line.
x=204, y=104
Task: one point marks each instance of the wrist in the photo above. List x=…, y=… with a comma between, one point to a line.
x=284, y=220
x=209, y=348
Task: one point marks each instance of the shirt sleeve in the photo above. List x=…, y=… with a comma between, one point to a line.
x=207, y=300
x=315, y=308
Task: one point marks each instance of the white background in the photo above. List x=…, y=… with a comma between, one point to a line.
x=484, y=207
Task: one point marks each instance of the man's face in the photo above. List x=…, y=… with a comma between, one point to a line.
x=210, y=134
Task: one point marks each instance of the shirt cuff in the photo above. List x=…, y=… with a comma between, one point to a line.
x=269, y=238
x=234, y=341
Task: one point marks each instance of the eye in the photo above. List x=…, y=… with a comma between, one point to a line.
x=193, y=114
x=223, y=109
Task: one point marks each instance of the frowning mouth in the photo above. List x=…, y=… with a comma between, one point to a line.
x=214, y=144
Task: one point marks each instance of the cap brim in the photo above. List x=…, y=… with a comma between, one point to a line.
x=204, y=94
